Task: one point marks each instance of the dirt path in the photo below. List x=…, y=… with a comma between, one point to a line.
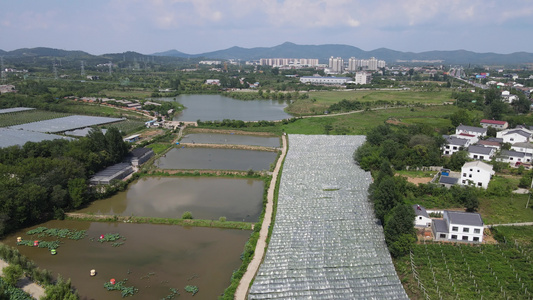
x=35, y=290
x=244, y=284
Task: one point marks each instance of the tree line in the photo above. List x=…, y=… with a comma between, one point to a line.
x=40, y=181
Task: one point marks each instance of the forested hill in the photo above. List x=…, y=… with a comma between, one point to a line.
x=324, y=52
x=291, y=50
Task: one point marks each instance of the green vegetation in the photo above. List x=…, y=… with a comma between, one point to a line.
x=191, y=289
x=452, y=271
x=121, y=286
x=57, y=232
x=187, y=215
x=50, y=177
x=11, y=292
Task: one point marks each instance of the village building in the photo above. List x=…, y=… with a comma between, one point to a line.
x=458, y=227
x=476, y=173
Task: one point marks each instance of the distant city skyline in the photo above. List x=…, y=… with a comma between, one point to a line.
x=199, y=26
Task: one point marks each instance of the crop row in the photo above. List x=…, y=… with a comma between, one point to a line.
x=473, y=272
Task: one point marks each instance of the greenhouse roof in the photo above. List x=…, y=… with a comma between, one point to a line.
x=14, y=109
x=66, y=123
x=326, y=242
x=12, y=137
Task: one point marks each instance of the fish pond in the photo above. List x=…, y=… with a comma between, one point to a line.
x=169, y=197
x=218, y=108
x=152, y=259
x=194, y=158
x=231, y=139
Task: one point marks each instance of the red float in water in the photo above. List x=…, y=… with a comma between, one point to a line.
x=112, y=281
x=36, y=243
x=102, y=237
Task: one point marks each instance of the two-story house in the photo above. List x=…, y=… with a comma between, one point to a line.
x=476, y=173
x=514, y=135
x=454, y=144
x=458, y=227
x=481, y=152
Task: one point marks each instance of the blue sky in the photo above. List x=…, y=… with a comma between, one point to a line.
x=197, y=26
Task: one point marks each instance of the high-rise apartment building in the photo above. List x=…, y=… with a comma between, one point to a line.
x=336, y=64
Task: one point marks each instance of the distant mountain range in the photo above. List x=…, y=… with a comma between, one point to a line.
x=291, y=50
x=324, y=52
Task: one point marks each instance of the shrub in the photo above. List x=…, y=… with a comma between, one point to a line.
x=187, y=215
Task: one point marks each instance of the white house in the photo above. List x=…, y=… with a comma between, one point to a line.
x=508, y=97
x=477, y=131
x=476, y=173
x=500, y=125
x=514, y=135
x=481, y=152
x=454, y=144
x=523, y=147
x=458, y=227
x=514, y=158
x=422, y=219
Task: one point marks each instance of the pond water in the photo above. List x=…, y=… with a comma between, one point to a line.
x=216, y=159
x=217, y=107
x=169, y=197
x=231, y=139
x=154, y=258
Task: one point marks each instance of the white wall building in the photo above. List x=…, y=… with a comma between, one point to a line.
x=362, y=78
x=514, y=135
x=325, y=80
x=476, y=131
x=336, y=64
x=422, y=219
x=459, y=227
x=476, y=173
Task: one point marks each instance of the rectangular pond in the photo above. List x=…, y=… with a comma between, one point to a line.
x=216, y=159
x=232, y=139
x=153, y=258
x=169, y=197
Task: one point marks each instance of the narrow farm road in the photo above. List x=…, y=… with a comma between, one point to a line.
x=244, y=284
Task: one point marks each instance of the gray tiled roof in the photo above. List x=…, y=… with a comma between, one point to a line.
x=520, y=132
x=471, y=128
x=440, y=225
x=464, y=218
x=451, y=140
x=480, y=149
x=513, y=153
x=420, y=210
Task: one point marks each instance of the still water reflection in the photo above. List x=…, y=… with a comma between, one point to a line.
x=216, y=159
x=217, y=107
x=154, y=258
x=231, y=139
x=169, y=197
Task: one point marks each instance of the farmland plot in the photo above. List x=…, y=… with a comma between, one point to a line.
x=446, y=271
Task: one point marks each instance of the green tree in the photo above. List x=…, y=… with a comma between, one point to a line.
x=457, y=160
x=460, y=117
x=77, y=190
x=399, y=230
x=12, y=273
x=61, y=290
x=385, y=195
x=116, y=147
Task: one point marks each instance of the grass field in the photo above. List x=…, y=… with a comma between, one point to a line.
x=507, y=209
x=319, y=101
x=360, y=123
x=454, y=271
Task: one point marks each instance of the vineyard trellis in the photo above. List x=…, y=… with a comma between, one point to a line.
x=468, y=271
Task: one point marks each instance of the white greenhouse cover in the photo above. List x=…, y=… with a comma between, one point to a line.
x=326, y=242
